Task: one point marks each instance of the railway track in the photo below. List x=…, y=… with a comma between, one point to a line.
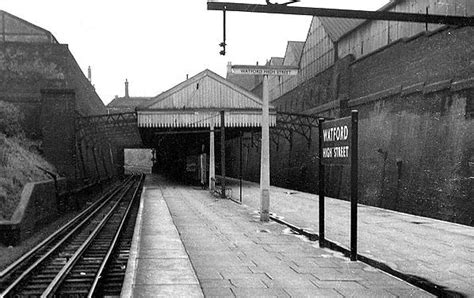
x=74, y=260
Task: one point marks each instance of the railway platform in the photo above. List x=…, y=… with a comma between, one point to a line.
x=434, y=253
x=190, y=243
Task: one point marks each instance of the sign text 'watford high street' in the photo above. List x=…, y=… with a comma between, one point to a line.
x=265, y=70
x=337, y=141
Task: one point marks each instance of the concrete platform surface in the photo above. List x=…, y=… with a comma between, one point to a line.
x=158, y=265
x=235, y=255
x=428, y=249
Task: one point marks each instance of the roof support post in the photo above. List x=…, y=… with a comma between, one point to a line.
x=223, y=153
x=212, y=163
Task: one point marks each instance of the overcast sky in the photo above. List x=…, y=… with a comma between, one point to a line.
x=154, y=44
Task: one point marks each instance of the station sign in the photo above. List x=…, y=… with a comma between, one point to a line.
x=338, y=144
x=265, y=70
x=336, y=141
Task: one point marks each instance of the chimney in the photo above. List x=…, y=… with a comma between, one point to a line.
x=126, y=88
x=89, y=74
x=229, y=67
x=187, y=76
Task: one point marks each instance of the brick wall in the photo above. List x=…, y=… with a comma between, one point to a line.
x=416, y=143
x=26, y=68
x=46, y=82
x=428, y=57
x=58, y=131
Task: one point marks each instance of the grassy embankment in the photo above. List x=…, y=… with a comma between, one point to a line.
x=19, y=159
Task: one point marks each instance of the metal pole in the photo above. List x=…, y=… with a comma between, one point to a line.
x=354, y=184
x=223, y=26
x=223, y=153
x=265, y=157
x=240, y=166
x=321, y=184
x=212, y=164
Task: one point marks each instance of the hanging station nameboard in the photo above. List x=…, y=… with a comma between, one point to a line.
x=272, y=70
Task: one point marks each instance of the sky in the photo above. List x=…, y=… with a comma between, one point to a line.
x=155, y=44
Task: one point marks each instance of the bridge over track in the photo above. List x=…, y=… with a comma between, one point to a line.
x=104, y=136
x=120, y=130
x=180, y=123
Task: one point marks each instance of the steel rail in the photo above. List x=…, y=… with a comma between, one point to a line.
x=32, y=267
x=59, y=278
x=113, y=245
x=24, y=258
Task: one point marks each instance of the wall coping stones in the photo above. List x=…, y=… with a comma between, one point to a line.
x=405, y=91
x=324, y=107
x=375, y=96
x=418, y=87
x=462, y=84
x=437, y=86
x=38, y=202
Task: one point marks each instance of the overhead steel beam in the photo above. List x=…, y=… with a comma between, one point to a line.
x=344, y=13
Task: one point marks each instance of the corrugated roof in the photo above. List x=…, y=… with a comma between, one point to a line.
x=275, y=61
x=387, y=6
x=293, y=52
x=197, y=102
x=205, y=90
x=337, y=27
x=245, y=81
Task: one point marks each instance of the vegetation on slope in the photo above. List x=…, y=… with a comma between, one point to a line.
x=19, y=159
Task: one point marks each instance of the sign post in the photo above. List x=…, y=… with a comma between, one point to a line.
x=265, y=71
x=339, y=145
x=321, y=185
x=223, y=153
x=265, y=156
x=354, y=182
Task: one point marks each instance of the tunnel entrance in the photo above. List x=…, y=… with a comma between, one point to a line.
x=136, y=160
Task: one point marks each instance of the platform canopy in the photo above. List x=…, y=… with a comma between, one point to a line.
x=198, y=101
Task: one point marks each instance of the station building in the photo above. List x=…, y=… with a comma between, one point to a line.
x=412, y=84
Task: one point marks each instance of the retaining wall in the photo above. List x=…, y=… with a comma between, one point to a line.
x=416, y=109
x=39, y=203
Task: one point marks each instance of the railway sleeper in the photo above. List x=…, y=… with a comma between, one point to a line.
x=74, y=292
